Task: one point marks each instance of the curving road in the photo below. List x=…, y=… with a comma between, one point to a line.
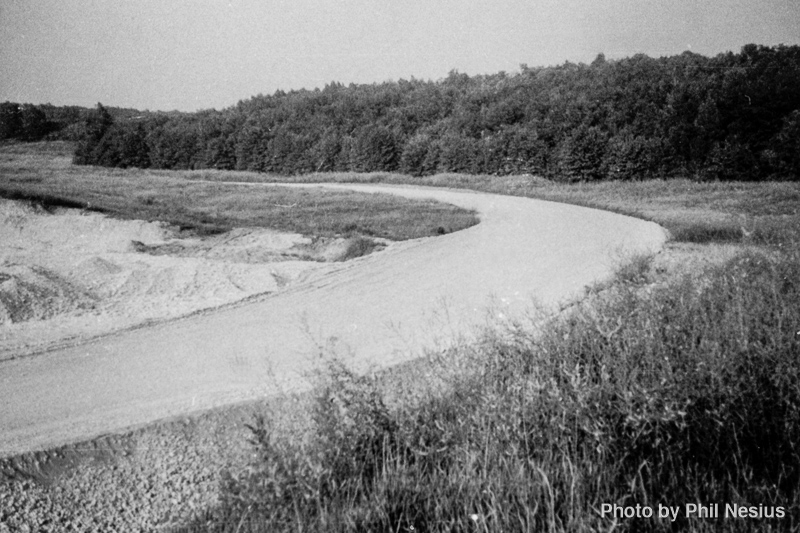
x=380, y=309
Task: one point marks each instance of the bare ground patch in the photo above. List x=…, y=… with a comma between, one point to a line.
x=70, y=274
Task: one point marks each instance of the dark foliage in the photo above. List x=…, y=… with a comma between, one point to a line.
x=730, y=117
x=29, y=122
x=24, y=122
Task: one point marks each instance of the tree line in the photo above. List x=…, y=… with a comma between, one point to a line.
x=735, y=116
x=30, y=122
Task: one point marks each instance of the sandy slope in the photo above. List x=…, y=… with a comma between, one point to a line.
x=71, y=275
x=380, y=309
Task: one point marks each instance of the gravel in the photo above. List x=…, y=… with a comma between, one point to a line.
x=151, y=479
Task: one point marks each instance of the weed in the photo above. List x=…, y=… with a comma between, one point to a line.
x=684, y=393
x=357, y=247
x=635, y=269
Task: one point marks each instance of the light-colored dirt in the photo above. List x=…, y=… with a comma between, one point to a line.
x=380, y=310
x=72, y=275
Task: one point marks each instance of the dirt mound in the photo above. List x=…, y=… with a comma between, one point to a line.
x=68, y=274
x=165, y=285
x=258, y=245
x=240, y=245
x=35, y=293
x=97, y=267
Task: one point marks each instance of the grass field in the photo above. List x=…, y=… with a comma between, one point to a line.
x=43, y=172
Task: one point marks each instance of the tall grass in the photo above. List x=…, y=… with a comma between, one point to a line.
x=685, y=393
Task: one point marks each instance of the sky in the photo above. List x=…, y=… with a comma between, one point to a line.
x=201, y=54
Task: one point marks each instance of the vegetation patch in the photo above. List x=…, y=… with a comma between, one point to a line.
x=693, y=211
x=357, y=247
x=207, y=207
x=683, y=393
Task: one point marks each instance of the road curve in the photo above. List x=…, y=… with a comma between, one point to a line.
x=381, y=309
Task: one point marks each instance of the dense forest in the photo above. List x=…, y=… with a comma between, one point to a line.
x=735, y=116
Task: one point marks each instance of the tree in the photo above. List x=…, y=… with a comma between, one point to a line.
x=415, y=159
x=375, y=148
x=131, y=145
x=325, y=151
x=731, y=160
x=633, y=157
x=458, y=154
x=787, y=147
x=519, y=149
x=10, y=120
x=34, y=123
x=581, y=155
x=220, y=153
x=98, y=124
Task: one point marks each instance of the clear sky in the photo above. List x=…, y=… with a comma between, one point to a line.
x=199, y=54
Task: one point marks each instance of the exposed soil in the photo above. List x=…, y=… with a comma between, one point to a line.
x=67, y=275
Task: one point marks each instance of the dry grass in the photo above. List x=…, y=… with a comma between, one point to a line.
x=42, y=172
x=750, y=212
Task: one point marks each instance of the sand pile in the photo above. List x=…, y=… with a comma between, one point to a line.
x=35, y=293
x=67, y=273
x=255, y=245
